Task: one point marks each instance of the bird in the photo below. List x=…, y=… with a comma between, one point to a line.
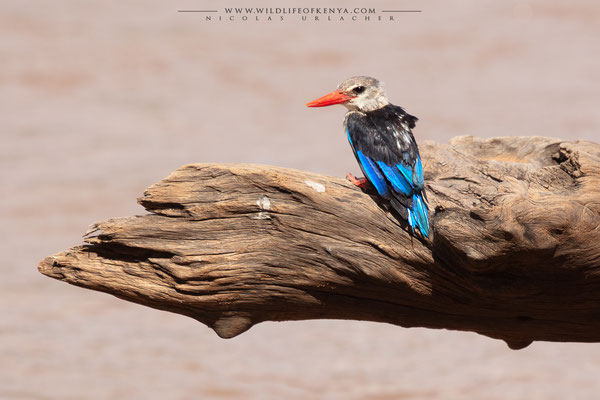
x=381, y=138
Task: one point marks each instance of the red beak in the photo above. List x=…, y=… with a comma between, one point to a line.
x=335, y=97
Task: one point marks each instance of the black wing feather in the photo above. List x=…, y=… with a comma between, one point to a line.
x=384, y=135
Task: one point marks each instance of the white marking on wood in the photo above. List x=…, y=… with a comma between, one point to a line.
x=317, y=186
x=264, y=203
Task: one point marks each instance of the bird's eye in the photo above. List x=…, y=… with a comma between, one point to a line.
x=358, y=89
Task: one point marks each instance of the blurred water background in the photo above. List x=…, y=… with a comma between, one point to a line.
x=99, y=100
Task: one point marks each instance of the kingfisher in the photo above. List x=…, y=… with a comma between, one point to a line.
x=381, y=138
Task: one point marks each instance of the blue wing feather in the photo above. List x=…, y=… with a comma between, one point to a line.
x=406, y=172
x=399, y=183
x=373, y=174
x=418, y=179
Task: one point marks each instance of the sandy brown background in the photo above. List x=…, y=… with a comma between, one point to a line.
x=98, y=100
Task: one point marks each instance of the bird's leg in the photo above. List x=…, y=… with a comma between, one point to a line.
x=361, y=183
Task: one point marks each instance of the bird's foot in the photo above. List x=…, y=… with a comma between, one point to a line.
x=361, y=183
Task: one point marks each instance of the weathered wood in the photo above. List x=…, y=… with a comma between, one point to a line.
x=514, y=253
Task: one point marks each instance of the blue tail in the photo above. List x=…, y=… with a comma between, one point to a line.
x=420, y=217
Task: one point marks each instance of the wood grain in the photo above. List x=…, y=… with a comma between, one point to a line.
x=514, y=252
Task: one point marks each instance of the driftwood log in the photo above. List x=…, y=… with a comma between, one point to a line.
x=514, y=252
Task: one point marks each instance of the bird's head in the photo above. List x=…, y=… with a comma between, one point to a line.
x=360, y=93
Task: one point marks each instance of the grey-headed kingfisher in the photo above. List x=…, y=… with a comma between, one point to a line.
x=380, y=136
